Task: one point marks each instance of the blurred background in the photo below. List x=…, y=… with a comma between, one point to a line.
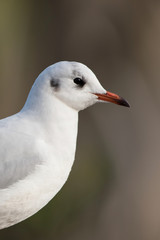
x=113, y=191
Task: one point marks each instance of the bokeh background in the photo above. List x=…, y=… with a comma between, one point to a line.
x=113, y=191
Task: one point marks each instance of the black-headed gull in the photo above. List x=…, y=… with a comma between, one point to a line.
x=37, y=145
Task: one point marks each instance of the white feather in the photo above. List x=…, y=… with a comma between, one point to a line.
x=37, y=145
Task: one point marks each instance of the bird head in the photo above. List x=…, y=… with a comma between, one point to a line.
x=75, y=85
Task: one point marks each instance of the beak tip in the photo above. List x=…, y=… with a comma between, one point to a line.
x=123, y=102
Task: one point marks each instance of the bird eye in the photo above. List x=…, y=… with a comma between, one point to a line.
x=80, y=82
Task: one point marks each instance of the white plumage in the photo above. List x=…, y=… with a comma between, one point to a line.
x=37, y=145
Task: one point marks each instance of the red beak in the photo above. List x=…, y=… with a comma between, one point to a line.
x=112, y=97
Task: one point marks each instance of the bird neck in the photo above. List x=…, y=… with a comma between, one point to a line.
x=51, y=113
x=56, y=124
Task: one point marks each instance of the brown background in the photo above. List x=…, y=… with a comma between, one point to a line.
x=113, y=191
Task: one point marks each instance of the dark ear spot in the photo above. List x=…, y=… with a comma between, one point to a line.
x=54, y=83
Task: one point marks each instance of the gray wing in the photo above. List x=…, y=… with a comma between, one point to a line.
x=18, y=154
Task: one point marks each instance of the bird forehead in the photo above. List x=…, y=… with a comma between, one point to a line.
x=76, y=73
x=68, y=70
x=83, y=72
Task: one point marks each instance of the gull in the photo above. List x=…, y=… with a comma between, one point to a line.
x=37, y=144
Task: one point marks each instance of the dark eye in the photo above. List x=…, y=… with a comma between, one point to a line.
x=80, y=82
